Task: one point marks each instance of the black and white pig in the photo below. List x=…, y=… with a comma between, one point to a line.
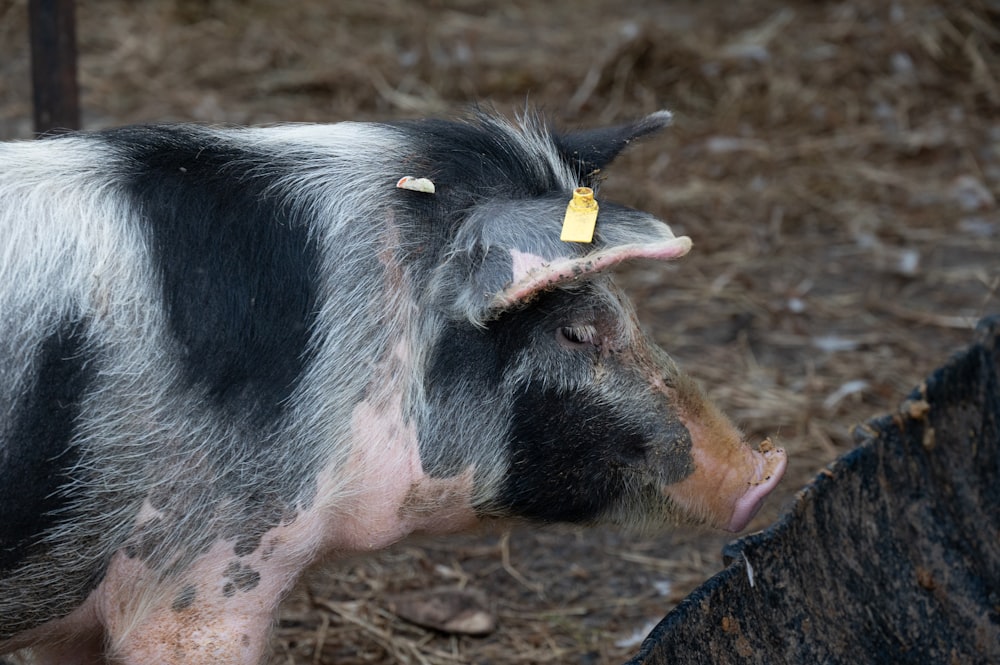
x=228, y=354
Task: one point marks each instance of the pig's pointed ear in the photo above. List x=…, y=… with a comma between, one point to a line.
x=591, y=150
x=631, y=235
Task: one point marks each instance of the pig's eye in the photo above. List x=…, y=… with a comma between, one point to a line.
x=576, y=337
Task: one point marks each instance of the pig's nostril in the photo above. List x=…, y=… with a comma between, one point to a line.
x=577, y=337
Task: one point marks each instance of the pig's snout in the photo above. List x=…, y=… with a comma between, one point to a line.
x=770, y=465
x=730, y=480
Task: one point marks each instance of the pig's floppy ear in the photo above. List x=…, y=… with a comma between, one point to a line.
x=643, y=238
x=591, y=150
x=508, y=252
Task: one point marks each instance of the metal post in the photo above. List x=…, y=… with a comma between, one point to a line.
x=53, y=65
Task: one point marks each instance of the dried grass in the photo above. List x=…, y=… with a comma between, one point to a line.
x=837, y=165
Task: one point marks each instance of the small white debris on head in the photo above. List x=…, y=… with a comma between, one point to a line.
x=415, y=184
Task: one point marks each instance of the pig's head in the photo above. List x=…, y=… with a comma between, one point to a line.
x=538, y=381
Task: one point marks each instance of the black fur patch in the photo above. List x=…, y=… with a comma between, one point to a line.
x=573, y=455
x=478, y=159
x=466, y=369
x=464, y=352
x=569, y=456
x=38, y=454
x=238, y=269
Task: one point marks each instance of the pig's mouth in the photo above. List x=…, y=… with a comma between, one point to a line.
x=770, y=463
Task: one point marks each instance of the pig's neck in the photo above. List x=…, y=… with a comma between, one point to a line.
x=388, y=495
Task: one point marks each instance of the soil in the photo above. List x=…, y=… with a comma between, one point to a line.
x=836, y=164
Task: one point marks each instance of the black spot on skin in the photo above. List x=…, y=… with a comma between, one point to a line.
x=38, y=452
x=184, y=599
x=237, y=266
x=241, y=578
x=246, y=544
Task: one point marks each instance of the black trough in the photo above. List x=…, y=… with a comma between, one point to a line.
x=891, y=555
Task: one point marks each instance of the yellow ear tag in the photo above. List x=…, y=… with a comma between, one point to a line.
x=581, y=217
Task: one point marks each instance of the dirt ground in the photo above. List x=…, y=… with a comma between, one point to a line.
x=837, y=165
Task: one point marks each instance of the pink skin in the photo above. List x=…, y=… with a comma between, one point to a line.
x=398, y=497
